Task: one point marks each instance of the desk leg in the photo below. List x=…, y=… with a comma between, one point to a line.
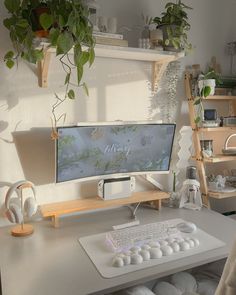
x=157, y=204
x=55, y=220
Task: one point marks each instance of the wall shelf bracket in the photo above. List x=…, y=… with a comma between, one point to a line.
x=43, y=67
x=158, y=69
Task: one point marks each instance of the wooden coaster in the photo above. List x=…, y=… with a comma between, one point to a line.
x=19, y=231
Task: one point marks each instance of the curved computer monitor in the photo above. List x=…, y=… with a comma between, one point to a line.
x=113, y=149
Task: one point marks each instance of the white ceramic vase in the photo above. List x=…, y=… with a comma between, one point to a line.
x=208, y=82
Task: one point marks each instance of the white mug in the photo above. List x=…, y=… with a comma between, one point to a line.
x=102, y=23
x=112, y=25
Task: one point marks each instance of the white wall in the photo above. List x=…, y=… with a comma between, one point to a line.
x=118, y=90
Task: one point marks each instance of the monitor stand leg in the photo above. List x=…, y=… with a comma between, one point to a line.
x=153, y=181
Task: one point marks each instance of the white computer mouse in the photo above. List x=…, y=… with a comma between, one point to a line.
x=187, y=227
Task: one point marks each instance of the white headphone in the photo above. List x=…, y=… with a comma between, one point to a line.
x=14, y=212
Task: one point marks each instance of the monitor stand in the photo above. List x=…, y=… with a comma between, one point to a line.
x=153, y=181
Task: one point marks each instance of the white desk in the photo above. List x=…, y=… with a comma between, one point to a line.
x=51, y=261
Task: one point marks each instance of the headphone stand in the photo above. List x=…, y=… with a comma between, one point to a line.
x=23, y=229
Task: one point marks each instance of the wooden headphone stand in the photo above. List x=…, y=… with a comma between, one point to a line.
x=22, y=229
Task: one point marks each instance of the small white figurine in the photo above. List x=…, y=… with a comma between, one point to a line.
x=190, y=195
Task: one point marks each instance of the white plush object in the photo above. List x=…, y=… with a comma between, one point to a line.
x=207, y=287
x=137, y=290
x=164, y=288
x=184, y=281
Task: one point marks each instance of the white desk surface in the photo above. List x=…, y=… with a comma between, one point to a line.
x=51, y=261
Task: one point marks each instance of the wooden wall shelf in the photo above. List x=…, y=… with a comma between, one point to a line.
x=55, y=210
x=159, y=59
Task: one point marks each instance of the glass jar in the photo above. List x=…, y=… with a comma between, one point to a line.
x=145, y=32
x=207, y=147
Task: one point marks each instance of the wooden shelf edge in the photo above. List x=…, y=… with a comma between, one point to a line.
x=221, y=195
x=216, y=129
x=220, y=97
x=220, y=158
x=131, y=53
x=215, y=159
x=55, y=210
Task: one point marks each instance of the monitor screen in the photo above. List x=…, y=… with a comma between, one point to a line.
x=106, y=149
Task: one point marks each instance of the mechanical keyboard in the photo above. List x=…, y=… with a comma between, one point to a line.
x=123, y=239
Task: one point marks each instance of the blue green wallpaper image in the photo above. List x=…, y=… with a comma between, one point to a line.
x=87, y=151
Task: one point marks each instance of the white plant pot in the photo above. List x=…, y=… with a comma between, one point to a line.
x=209, y=82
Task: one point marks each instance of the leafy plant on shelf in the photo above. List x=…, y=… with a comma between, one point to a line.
x=205, y=91
x=67, y=26
x=174, y=24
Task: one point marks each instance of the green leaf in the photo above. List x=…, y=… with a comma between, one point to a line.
x=8, y=22
x=10, y=63
x=79, y=73
x=62, y=22
x=84, y=57
x=91, y=56
x=168, y=30
x=46, y=20
x=197, y=101
x=38, y=54
x=64, y=43
x=175, y=44
x=67, y=79
x=77, y=52
x=12, y=5
x=22, y=23
x=206, y=91
x=85, y=87
x=71, y=19
x=71, y=94
x=197, y=120
x=172, y=19
x=8, y=55
x=53, y=36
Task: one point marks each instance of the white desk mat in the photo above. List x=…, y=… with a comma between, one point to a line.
x=101, y=255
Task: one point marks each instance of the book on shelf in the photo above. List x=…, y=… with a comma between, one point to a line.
x=111, y=41
x=108, y=35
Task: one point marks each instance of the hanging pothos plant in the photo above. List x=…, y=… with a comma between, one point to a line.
x=67, y=27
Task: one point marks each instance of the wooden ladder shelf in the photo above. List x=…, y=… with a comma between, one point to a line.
x=199, y=132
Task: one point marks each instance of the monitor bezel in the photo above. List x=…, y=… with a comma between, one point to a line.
x=114, y=175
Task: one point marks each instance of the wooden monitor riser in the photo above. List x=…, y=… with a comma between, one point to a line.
x=55, y=210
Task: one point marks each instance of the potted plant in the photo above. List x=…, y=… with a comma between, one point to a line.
x=68, y=28
x=211, y=79
x=206, y=85
x=174, y=25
